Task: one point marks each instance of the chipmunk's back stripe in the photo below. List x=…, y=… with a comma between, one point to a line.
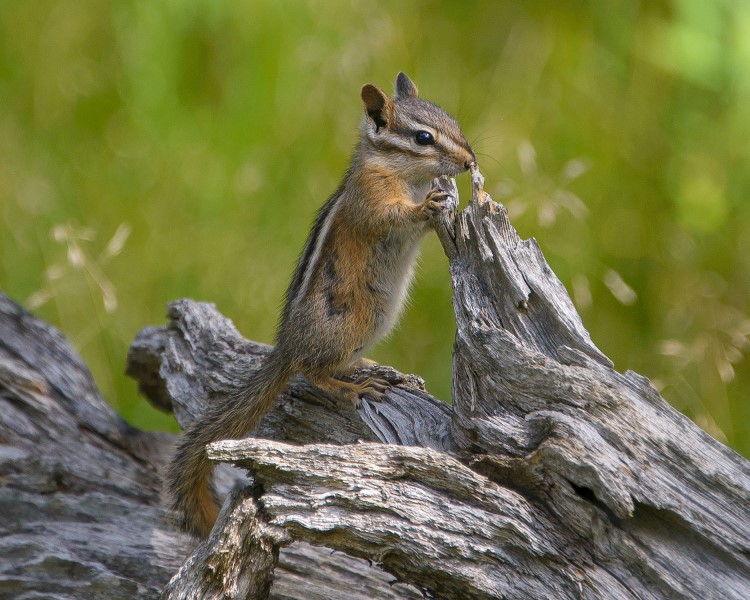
x=306, y=266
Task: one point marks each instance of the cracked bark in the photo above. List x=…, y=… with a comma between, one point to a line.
x=552, y=475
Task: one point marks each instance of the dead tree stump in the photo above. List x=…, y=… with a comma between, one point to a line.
x=551, y=476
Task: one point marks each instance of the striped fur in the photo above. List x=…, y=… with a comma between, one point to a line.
x=349, y=285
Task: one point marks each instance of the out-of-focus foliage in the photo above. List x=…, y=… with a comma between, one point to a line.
x=156, y=149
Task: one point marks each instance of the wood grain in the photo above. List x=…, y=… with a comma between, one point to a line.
x=552, y=475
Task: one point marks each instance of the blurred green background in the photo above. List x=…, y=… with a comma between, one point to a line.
x=158, y=149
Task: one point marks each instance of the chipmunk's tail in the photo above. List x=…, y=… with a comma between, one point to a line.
x=188, y=479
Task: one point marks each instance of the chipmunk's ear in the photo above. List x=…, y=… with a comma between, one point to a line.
x=378, y=106
x=405, y=87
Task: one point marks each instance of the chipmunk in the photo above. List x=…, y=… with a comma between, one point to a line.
x=350, y=283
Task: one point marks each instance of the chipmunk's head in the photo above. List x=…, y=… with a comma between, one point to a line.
x=411, y=136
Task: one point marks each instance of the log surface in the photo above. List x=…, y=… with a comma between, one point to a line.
x=80, y=510
x=551, y=475
x=550, y=463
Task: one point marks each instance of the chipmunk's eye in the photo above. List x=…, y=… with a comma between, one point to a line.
x=424, y=138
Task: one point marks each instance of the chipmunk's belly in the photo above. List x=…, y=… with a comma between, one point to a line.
x=353, y=302
x=390, y=285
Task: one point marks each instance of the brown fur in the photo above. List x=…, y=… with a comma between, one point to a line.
x=349, y=285
x=189, y=475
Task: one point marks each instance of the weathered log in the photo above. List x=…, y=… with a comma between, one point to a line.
x=577, y=480
x=80, y=511
x=551, y=476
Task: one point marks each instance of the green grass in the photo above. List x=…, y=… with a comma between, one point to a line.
x=204, y=134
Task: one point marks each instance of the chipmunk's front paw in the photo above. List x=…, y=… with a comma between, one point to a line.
x=434, y=204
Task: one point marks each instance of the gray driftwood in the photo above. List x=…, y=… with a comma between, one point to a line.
x=80, y=512
x=552, y=476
